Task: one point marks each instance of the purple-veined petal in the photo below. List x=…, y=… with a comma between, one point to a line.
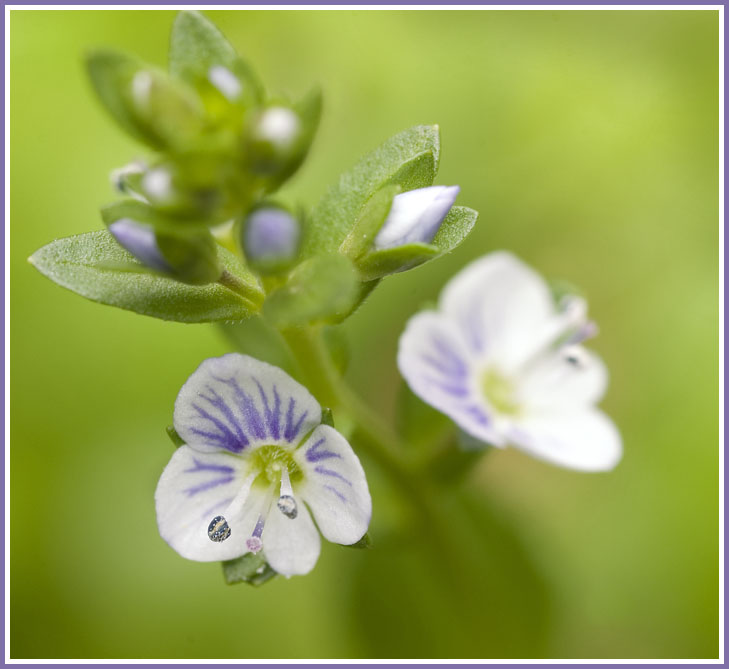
x=193, y=489
x=415, y=216
x=499, y=304
x=236, y=403
x=291, y=545
x=585, y=439
x=439, y=368
x=565, y=379
x=334, y=486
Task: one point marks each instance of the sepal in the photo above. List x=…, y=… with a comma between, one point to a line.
x=250, y=568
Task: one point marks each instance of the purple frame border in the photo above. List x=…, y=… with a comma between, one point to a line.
x=374, y=3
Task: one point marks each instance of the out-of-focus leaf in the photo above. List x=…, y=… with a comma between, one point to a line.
x=473, y=592
x=250, y=568
x=418, y=423
x=196, y=45
x=255, y=337
x=409, y=159
x=321, y=289
x=96, y=267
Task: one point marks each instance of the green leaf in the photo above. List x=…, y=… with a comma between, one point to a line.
x=474, y=579
x=364, y=542
x=96, y=267
x=321, y=289
x=196, y=45
x=388, y=261
x=409, y=159
x=368, y=223
x=251, y=568
x=455, y=228
x=255, y=337
x=177, y=440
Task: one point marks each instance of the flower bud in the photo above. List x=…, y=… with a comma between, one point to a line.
x=189, y=257
x=275, y=141
x=415, y=216
x=270, y=237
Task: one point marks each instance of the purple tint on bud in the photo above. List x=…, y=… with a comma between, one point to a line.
x=271, y=235
x=415, y=216
x=140, y=240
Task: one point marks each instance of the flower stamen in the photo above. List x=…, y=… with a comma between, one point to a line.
x=286, y=503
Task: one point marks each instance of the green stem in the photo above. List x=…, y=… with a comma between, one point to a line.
x=371, y=433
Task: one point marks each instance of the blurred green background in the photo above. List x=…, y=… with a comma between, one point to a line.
x=588, y=140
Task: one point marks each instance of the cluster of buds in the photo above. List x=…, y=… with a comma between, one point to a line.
x=221, y=146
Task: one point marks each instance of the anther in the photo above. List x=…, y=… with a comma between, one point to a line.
x=218, y=530
x=286, y=503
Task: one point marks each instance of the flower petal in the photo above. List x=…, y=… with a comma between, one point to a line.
x=566, y=379
x=415, y=216
x=236, y=402
x=498, y=303
x=291, y=545
x=193, y=489
x=334, y=486
x=439, y=367
x=586, y=440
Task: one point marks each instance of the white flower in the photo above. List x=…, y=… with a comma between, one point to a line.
x=256, y=460
x=415, y=216
x=505, y=364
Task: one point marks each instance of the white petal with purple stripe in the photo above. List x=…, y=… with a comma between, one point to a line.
x=235, y=403
x=334, y=486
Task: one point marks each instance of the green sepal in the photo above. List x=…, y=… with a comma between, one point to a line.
x=389, y=261
x=455, y=228
x=409, y=159
x=364, y=542
x=196, y=45
x=250, y=568
x=143, y=213
x=319, y=290
x=176, y=439
x=369, y=221
x=162, y=113
x=257, y=338
x=327, y=417
x=96, y=267
x=190, y=253
x=274, y=162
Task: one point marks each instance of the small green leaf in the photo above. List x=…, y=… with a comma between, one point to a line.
x=364, y=542
x=409, y=159
x=250, y=568
x=398, y=259
x=326, y=417
x=455, y=228
x=96, y=267
x=321, y=289
x=255, y=337
x=177, y=440
x=196, y=45
x=368, y=223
